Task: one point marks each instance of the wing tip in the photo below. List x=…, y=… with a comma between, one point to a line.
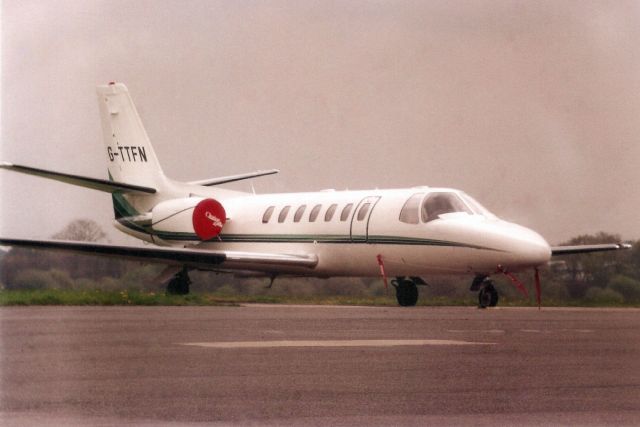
x=582, y=249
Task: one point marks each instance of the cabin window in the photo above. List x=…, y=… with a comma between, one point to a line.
x=298, y=216
x=362, y=213
x=314, y=213
x=410, y=212
x=437, y=204
x=267, y=214
x=345, y=212
x=283, y=214
x=329, y=214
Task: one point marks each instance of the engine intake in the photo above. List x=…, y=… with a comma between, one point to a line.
x=208, y=218
x=204, y=217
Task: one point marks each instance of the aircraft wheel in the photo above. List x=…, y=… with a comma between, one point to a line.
x=488, y=296
x=406, y=293
x=179, y=284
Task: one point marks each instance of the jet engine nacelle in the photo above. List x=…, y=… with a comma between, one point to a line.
x=204, y=217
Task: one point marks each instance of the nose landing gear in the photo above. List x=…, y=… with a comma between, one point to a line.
x=488, y=295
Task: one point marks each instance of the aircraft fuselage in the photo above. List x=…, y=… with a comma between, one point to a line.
x=363, y=225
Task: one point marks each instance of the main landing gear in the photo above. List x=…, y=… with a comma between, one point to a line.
x=407, y=290
x=179, y=284
x=488, y=295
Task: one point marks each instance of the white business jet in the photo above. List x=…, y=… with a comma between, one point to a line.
x=404, y=233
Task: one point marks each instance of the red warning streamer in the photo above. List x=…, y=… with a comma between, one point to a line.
x=514, y=280
x=538, y=289
x=382, y=272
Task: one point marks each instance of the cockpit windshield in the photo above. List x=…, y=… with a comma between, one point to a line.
x=440, y=203
x=476, y=206
x=430, y=207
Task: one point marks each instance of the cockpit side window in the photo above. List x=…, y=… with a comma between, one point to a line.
x=410, y=212
x=440, y=203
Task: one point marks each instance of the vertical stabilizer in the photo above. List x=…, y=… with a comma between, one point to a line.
x=130, y=156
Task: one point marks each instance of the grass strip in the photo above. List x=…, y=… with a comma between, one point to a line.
x=142, y=298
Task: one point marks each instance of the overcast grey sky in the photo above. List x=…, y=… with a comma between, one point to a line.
x=532, y=107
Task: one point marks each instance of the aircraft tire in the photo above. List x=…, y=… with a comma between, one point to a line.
x=488, y=296
x=407, y=293
x=179, y=284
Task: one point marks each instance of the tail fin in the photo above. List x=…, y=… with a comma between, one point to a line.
x=130, y=156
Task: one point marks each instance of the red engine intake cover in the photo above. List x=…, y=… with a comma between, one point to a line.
x=208, y=219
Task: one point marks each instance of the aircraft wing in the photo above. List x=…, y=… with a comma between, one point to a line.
x=582, y=249
x=194, y=258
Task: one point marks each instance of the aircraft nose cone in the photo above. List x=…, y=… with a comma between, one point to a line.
x=533, y=250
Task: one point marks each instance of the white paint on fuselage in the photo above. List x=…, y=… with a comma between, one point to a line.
x=455, y=243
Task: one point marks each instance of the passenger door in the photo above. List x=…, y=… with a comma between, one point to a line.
x=360, y=219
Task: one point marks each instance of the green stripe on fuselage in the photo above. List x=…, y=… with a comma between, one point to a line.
x=306, y=238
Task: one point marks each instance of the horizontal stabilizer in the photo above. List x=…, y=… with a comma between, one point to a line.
x=233, y=178
x=583, y=249
x=194, y=258
x=82, y=181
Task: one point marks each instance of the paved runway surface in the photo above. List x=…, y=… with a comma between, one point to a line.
x=292, y=365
